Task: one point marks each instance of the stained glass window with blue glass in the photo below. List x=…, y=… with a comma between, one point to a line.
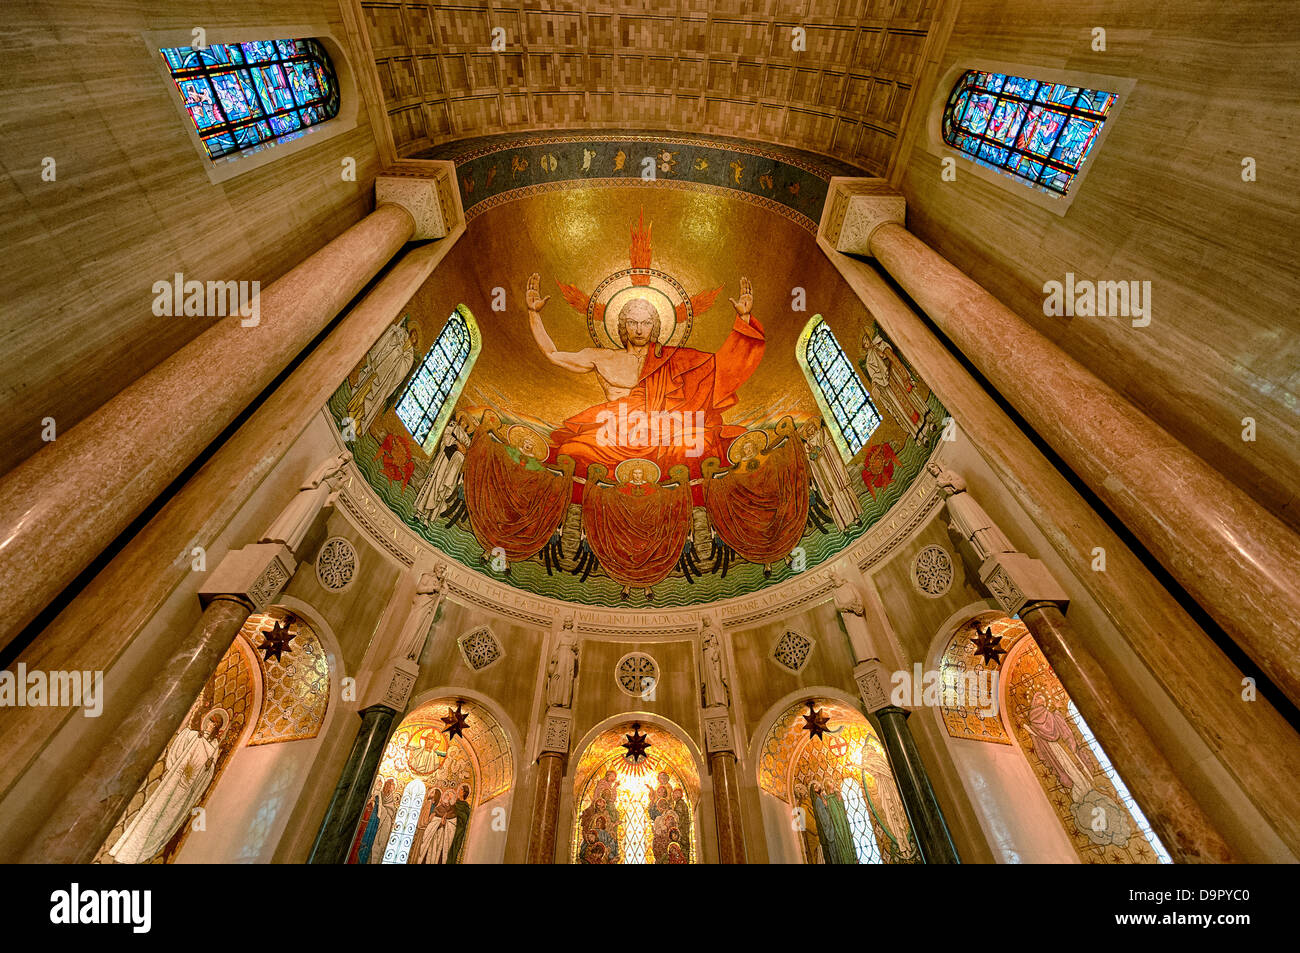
x=242, y=95
x=1040, y=133
x=422, y=401
x=841, y=388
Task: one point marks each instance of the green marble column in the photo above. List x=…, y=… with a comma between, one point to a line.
x=336, y=830
x=914, y=785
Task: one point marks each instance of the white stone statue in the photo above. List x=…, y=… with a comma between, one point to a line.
x=295, y=520
x=847, y=598
x=967, y=517
x=715, y=686
x=853, y=613
x=424, y=606
x=563, y=669
x=388, y=362
x=448, y=459
x=831, y=476
x=893, y=389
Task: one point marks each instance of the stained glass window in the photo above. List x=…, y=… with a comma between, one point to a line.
x=864, y=840
x=1040, y=133
x=420, y=405
x=1125, y=797
x=841, y=388
x=243, y=95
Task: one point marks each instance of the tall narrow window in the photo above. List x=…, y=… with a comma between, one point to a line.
x=423, y=401
x=1109, y=770
x=1038, y=132
x=243, y=95
x=841, y=388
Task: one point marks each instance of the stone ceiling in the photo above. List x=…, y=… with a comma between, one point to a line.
x=724, y=67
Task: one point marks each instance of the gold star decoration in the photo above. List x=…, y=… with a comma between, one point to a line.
x=988, y=646
x=276, y=641
x=636, y=744
x=455, y=721
x=814, y=721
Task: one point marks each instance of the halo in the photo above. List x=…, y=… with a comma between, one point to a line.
x=623, y=472
x=523, y=438
x=661, y=290
x=757, y=439
x=221, y=713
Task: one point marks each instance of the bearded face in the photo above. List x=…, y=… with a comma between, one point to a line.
x=638, y=324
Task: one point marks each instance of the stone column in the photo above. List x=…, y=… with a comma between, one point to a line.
x=156, y=561
x=246, y=579
x=1023, y=585
x=65, y=504
x=1233, y=556
x=923, y=811
x=339, y=825
x=549, y=786
x=726, y=785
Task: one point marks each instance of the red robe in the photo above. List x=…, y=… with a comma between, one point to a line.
x=680, y=379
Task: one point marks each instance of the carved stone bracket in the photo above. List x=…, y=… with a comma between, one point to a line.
x=419, y=196
x=717, y=730
x=1015, y=580
x=873, y=683
x=856, y=209
x=392, y=686
x=256, y=573
x=557, y=731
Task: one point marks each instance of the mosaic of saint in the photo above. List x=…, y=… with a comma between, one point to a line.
x=635, y=809
x=250, y=699
x=428, y=786
x=844, y=803
x=670, y=488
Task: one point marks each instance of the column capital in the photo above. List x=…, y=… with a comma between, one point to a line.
x=391, y=686
x=255, y=574
x=1015, y=580
x=717, y=730
x=425, y=198
x=855, y=208
x=872, y=679
x=557, y=732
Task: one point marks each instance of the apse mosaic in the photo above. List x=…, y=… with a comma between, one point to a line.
x=1097, y=811
x=278, y=695
x=672, y=490
x=1040, y=133
x=636, y=790
x=960, y=670
x=445, y=759
x=241, y=96
x=844, y=803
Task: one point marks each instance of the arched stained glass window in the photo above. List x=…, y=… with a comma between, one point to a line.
x=1038, y=132
x=421, y=404
x=864, y=838
x=243, y=95
x=1125, y=798
x=841, y=388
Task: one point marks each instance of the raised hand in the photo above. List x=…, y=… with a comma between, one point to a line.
x=746, y=302
x=533, y=295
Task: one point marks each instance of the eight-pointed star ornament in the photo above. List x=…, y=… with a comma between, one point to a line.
x=636, y=744
x=814, y=721
x=276, y=640
x=455, y=721
x=988, y=646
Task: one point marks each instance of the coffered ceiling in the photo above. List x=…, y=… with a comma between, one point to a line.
x=726, y=67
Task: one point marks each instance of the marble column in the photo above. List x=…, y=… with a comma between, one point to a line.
x=65, y=504
x=1175, y=815
x=726, y=807
x=1201, y=680
x=1232, y=555
x=546, y=808
x=88, y=810
x=340, y=822
x=199, y=512
x=914, y=785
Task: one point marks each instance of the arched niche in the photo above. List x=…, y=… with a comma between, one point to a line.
x=635, y=809
x=1041, y=786
x=833, y=798
x=439, y=798
x=223, y=790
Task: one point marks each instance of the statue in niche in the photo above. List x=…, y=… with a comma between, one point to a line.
x=191, y=763
x=715, y=690
x=563, y=669
x=967, y=518
x=295, y=520
x=424, y=605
